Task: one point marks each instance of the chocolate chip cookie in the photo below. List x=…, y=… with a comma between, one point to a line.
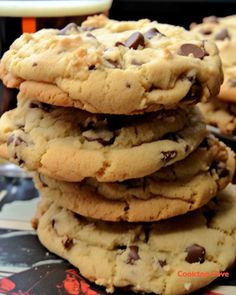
x=223, y=31
x=70, y=144
x=156, y=257
x=220, y=114
x=107, y=66
x=174, y=190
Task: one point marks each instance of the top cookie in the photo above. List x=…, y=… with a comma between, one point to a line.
x=223, y=32
x=106, y=66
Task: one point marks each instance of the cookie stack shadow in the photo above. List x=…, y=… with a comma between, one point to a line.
x=120, y=154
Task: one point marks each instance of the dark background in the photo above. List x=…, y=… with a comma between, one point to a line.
x=173, y=12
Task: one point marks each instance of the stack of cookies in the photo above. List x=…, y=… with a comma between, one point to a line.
x=220, y=111
x=106, y=120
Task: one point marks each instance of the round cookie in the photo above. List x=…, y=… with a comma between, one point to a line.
x=174, y=190
x=221, y=114
x=223, y=31
x=146, y=258
x=71, y=144
x=107, y=66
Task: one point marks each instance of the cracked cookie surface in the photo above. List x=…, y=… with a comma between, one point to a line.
x=70, y=144
x=223, y=31
x=106, y=66
x=174, y=190
x=145, y=257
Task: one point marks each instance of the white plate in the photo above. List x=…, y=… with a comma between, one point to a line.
x=52, y=8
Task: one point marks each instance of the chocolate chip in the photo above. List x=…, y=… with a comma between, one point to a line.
x=194, y=94
x=21, y=162
x=152, y=33
x=68, y=244
x=204, y=143
x=88, y=28
x=206, y=31
x=100, y=135
x=135, y=40
x=34, y=105
x=222, y=35
x=133, y=254
x=91, y=67
x=231, y=82
x=114, y=63
x=162, y=262
x=41, y=105
x=195, y=253
x=220, y=169
x=128, y=85
x=211, y=19
x=53, y=222
x=188, y=48
x=169, y=155
x=34, y=64
x=121, y=247
x=72, y=27
x=118, y=43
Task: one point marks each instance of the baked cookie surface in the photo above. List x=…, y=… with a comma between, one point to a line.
x=184, y=186
x=146, y=257
x=70, y=144
x=106, y=66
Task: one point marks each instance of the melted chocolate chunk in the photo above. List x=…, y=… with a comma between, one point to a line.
x=195, y=253
x=68, y=244
x=34, y=64
x=162, y=262
x=72, y=27
x=211, y=19
x=231, y=82
x=118, y=43
x=133, y=254
x=222, y=35
x=135, y=40
x=169, y=155
x=206, y=31
x=187, y=49
x=152, y=33
x=194, y=95
x=92, y=67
